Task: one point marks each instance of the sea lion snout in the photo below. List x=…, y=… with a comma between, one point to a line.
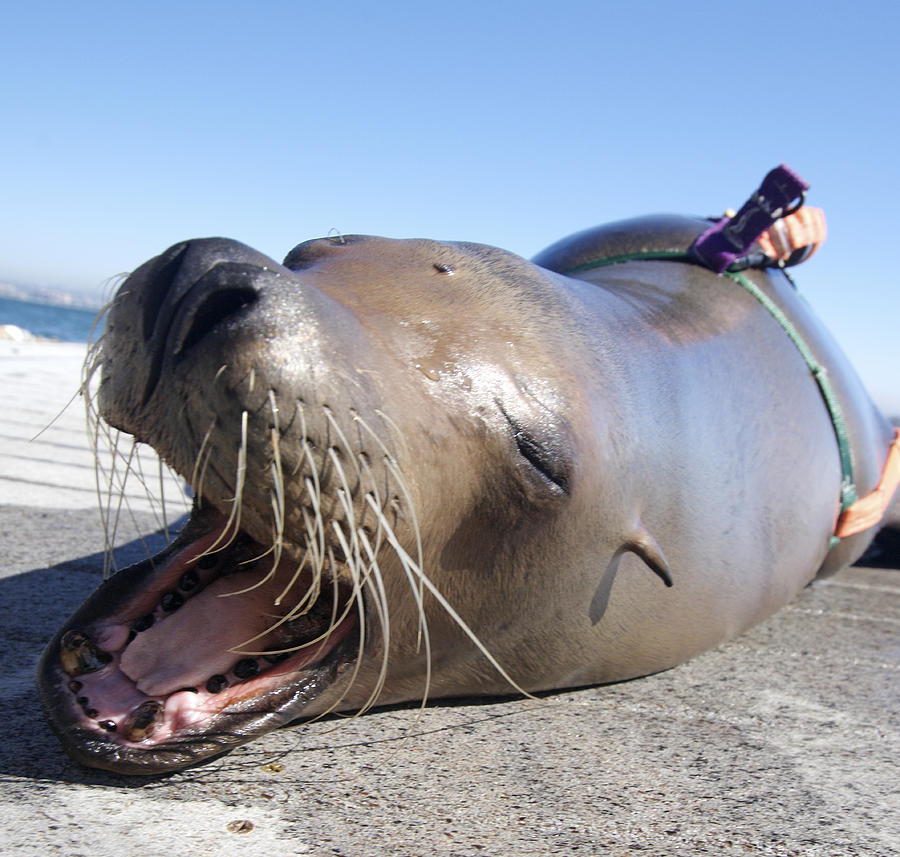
x=190, y=289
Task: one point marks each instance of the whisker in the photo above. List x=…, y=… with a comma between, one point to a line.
x=337, y=430
x=355, y=599
x=448, y=608
x=197, y=480
x=344, y=495
x=382, y=609
x=233, y=523
x=413, y=575
x=277, y=480
x=394, y=470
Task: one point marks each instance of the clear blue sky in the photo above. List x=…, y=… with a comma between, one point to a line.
x=127, y=127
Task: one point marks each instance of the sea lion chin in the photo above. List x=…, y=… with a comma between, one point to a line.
x=427, y=468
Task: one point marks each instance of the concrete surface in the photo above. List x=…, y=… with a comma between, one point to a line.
x=783, y=742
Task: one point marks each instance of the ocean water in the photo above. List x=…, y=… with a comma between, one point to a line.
x=63, y=323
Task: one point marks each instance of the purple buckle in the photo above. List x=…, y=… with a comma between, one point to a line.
x=729, y=239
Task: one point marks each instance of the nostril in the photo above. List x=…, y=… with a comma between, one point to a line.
x=215, y=308
x=190, y=311
x=162, y=278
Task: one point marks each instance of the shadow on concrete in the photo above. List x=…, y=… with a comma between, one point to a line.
x=33, y=605
x=884, y=552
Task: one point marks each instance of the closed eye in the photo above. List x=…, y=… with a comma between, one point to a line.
x=548, y=462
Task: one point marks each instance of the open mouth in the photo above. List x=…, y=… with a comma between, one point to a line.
x=183, y=656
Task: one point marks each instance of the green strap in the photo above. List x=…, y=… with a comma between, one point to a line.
x=819, y=372
x=648, y=256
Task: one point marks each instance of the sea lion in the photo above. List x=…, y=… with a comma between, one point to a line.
x=438, y=468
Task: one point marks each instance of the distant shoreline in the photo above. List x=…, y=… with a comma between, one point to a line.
x=24, y=320
x=48, y=297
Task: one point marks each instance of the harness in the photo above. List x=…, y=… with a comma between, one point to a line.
x=786, y=233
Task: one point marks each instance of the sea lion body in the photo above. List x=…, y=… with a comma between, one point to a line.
x=595, y=476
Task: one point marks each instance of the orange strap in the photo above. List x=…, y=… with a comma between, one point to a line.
x=803, y=229
x=868, y=511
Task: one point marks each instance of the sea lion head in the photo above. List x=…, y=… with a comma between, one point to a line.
x=380, y=439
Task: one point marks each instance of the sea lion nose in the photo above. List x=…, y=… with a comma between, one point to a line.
x=167, y=281
x=190, y=290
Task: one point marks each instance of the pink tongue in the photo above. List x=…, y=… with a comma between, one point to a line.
x=186, y=648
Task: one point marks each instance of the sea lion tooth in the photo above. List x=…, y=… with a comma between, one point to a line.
x=171, y=601
x=142, y=721
x=216, y=683
x=78, y=654
x=246, y=668
x=143, y=623
x=189, y=579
